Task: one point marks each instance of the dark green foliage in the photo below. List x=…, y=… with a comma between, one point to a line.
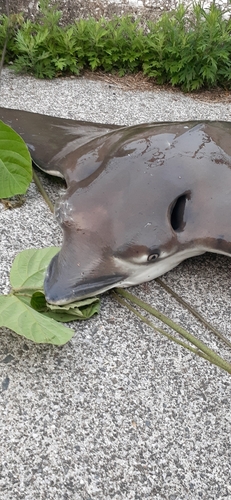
x=8, y=29
x=115, y=45
x=188, y=49
x=45, y=48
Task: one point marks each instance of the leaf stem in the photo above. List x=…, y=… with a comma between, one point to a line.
x=42, y=191
x=163, y=332
x=193, y=311
x=210, y=354
x=23, y=291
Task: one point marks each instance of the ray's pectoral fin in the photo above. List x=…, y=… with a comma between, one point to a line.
x=51, y=140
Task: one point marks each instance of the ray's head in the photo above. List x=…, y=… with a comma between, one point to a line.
x=107, y=243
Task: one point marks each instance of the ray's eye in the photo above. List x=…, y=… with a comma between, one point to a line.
x=152, y=257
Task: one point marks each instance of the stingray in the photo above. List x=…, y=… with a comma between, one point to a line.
x=139, y=199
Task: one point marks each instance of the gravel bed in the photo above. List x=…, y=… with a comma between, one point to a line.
x=119, y=412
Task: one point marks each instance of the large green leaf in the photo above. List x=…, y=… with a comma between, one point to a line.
x=18, y=316
x=77, y=307
x=29, y=267
x=25, y=310
x=15, y=163
x=83, y=309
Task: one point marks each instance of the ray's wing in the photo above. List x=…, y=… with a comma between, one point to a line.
x=53, y=142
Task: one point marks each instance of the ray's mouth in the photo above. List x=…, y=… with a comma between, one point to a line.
x=57, y=293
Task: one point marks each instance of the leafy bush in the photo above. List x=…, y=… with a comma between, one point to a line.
x=191, y=49
x=44, y=48
x=8, y=29
x=115, y=45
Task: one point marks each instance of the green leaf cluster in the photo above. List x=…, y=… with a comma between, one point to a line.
x=25, y=310
x=191, y=51
x=9, y=26
x=187, y=48
x=115, y=45
x=44, y=48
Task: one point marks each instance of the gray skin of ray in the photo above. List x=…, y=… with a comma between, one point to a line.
x=139, y=199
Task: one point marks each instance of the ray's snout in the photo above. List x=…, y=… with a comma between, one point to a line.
x=62, y=286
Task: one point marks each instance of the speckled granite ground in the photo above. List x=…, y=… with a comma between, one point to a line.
x=119, y=412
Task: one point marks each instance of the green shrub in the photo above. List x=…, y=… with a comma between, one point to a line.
x=8, y=29
x=115, y=45
x=45, y=48
x=190, y=49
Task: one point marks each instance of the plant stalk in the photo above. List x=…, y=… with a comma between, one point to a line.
x=23, y=291
x=163, y=332
x=213, y=357
x=42, y=191
x=193, y=311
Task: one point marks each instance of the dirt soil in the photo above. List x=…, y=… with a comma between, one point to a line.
x=143, y=83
